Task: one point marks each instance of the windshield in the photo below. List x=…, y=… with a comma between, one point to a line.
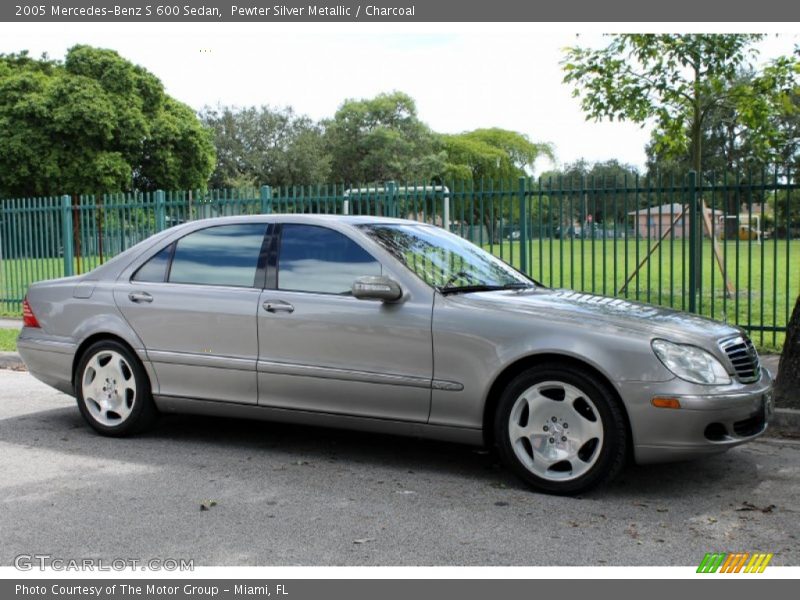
x=445, y=261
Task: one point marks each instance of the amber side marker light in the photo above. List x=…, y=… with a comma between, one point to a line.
x=28, y=318
x=660, y=402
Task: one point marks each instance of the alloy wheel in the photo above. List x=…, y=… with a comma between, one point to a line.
x=108, y=387
x=556, y=431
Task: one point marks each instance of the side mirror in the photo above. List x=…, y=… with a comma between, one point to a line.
x=377, y=288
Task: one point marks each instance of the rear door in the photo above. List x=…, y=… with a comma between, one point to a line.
x=194, y=305
x=321, y=349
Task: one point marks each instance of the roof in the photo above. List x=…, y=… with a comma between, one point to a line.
x=112, y=268
x=674, y=208
x=297, y=218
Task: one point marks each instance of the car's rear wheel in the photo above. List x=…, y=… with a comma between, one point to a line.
x=113, y=390
x=560, y=430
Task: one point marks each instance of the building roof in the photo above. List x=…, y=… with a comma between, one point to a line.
x=669, y=209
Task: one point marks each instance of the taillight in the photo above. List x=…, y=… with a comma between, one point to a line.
x=28, y=318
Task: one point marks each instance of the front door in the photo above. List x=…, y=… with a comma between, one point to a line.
x=321, y=349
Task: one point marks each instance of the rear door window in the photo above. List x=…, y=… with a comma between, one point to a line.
x=224, y=255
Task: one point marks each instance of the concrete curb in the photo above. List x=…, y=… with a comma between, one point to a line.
x=6, y=323
x=11, y=360
x=786, y=420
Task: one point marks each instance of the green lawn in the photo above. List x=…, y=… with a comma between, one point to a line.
x=765, y=277
x=8, y=340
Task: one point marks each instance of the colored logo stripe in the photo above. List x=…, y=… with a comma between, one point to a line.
x=758, y=563
x=711, y=562
x=734, y=562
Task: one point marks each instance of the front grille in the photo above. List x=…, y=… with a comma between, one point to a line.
x=743, y=357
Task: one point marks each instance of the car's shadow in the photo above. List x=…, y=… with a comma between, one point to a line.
x=176, y=437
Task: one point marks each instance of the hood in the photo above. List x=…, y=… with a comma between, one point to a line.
x=588, y=310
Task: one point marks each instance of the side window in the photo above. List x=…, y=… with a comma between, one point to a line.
x=223, y=255
x=318, y=259
x=155, y=269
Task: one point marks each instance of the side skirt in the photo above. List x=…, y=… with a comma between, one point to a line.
x=459, y=435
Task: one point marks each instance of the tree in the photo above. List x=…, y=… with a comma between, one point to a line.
x=381, y=139
x=94, y=123
x=265, y=145
x=581, y=175
x=676, y=82
x=787, y=383
x=491, y=154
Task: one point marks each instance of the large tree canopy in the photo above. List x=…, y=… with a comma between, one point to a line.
x=382, y=139
x=678, y=82
x=265, y=145
x=94, y=123
x=496, y=154
x=730, y=147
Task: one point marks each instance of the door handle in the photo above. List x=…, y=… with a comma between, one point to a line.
x=275, y=306
x=139, y=297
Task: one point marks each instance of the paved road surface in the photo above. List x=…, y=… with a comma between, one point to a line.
x=298, y=495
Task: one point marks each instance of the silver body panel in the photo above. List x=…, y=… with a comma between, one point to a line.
x=324, y=356
x=196, y=349
x=422, y=366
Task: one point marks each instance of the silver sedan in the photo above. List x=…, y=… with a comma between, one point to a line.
x=392, y=326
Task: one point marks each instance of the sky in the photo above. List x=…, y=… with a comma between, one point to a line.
x=462, y=76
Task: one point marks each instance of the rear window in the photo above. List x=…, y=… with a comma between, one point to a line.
x=155, y=269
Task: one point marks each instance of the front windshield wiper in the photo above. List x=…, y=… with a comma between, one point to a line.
x=466, y=289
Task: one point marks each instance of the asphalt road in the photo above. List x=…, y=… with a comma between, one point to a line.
x=296, y=495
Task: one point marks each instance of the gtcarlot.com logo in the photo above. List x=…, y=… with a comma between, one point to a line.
x=29, y=562
x=736, y=562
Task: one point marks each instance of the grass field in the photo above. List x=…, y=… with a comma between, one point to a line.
x=8, y=340
x=765, y=277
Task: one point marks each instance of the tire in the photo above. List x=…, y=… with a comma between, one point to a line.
x=535, y=439
x=113, y=390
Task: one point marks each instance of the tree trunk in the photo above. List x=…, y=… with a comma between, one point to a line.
x=76, y=232
x=787, y=384
x=695, y=216
x=489, y=228
x=99, y=219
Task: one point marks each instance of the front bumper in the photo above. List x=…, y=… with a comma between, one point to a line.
x=710, y=420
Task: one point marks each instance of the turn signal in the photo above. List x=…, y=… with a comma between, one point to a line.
x=660, y=402
x=28, y=318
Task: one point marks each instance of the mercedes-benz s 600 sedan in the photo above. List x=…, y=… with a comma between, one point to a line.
x=391, y=326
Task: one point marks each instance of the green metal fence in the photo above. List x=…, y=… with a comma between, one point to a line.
x=725, y=247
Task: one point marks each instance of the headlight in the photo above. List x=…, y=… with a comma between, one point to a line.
x=691, y=363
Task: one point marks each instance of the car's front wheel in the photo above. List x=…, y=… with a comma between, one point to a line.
x=113, y=390
x=560, y=430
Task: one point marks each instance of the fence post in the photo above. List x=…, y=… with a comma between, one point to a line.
x=266, y=200
x=161, y=210
x=694, y=241
x=523, y=227
x=390, y=188
x=445, y=209
x=66, y=236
